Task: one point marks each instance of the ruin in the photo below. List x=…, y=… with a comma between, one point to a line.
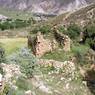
x=62, y=39
x=40, y=45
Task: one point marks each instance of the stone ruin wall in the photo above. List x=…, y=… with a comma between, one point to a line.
x=63, y=40
x=40, y=45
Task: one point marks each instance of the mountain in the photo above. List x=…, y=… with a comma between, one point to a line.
x=81, y=17
x=45, y=6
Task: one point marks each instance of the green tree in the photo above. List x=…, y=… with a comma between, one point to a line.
x=89, y=35
x=62, y=29
x=73, y=31
x=45, y=29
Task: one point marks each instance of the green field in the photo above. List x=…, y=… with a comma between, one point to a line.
x=13, y=44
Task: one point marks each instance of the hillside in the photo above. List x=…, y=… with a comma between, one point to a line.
x=81, y=16
x=45, y=6
x=52, y=56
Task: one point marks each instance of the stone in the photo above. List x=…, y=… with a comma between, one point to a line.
x=46, y=62
x=28, y=92
x=1, y=79
x=90, y=56
x=84, y=82
x=82, y=72
x=92, y=67
x=62, y=78
x=66, y=44
x=67, y=86
x=68, y=66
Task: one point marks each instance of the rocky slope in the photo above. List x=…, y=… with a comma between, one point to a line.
x=82, y=16
x=45, y=6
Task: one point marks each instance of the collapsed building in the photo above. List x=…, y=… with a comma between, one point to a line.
x=40, y=45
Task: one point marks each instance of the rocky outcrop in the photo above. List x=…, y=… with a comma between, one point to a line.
x=45, y=6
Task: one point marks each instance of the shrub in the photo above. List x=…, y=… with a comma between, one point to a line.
x=73, y=31
x=5, y=90
x=2, y=54
x=15, y=92
x=10, y=24
x=25, y=59
x=22, y=84
x=89, y=35
x=35, y=30
x=79, y=52
x=1, y=70
x=44, y=29
x=62, y=29
x=89, y=30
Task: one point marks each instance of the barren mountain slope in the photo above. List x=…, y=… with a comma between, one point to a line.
x=45, y=6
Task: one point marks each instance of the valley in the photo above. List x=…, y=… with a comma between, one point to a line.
x=51, y=56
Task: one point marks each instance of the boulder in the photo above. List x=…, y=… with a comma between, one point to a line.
x=67, y=43
x=28, y=92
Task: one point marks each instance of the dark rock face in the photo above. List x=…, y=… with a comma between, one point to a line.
x=45, y=6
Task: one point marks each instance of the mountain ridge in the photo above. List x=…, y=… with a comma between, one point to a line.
x=45, y=6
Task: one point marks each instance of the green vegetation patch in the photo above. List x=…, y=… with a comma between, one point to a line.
x=77, y=50
x=58, y=55
x=13, y=44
